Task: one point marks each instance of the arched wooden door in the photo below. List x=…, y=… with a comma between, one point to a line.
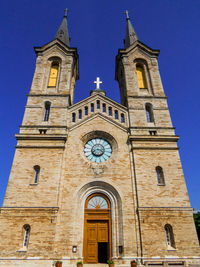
x=97, y=229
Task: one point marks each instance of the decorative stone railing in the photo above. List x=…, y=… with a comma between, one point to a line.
x=99, y=106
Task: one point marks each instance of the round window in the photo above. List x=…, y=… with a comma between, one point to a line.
x=98, y=150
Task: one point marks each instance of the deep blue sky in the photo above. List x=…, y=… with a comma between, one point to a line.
x=97, y=29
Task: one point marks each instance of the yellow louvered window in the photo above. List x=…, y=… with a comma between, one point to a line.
x=141, y=77
x=53, y=75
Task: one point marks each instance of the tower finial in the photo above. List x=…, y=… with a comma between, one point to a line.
x=127, y=15
x=62, y=33
x=131, y=36
x=66, y=11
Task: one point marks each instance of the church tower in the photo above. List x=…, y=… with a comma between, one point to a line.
x=161, y=197
x=96, y=180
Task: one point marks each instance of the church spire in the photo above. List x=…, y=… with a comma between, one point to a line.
x=62, y=33
x=131, y=35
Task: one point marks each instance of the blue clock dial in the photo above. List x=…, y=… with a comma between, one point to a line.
x=98, y=150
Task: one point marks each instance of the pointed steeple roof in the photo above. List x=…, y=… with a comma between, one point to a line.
x=62, y=33
x=131, y=36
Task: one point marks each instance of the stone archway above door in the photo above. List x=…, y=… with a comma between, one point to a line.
x=114, y=198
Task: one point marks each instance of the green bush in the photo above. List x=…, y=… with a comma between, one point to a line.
x=197, y=223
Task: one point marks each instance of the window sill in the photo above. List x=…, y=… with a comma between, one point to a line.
x=23, y=249
x=160, y=184
x=169, y=248
x=34, y=184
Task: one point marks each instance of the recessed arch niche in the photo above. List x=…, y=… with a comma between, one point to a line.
x=116, y=217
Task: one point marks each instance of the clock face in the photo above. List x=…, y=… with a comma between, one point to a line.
x=98, y=150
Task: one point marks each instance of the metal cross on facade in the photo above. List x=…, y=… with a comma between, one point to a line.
x=98, y=82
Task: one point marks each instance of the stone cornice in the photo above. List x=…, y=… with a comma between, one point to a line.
x=154, y=148
x=165, y=208
x=149, y=97
x=56, y=42
x=43, y=126
x=48, y=95
x=21, y=210
x=41, y=147
x=26, y=207
x=153, y=127
x=153, y=138
x=153, y=108
x=144, y=47
x=41, y=137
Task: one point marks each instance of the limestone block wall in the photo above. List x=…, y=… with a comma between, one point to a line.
x=42, y=231
x=35, y=111
x=160, y=112
x=174, y=192
x=21, y=190
x=153, y=221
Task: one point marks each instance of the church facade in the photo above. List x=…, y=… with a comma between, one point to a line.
x=96, y=180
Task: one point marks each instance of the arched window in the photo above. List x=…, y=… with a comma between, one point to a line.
x=26, y=229
x=169, y=236
x=141, y=76
x=149, y=112
x=47, y=110
x=37, y=171
x=97, y=202
x=53, y=74
x=160, y=175
x=98, y=104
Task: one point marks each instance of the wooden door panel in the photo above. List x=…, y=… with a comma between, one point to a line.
x=92, y=252
x=102, y=232
x=92, y=232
